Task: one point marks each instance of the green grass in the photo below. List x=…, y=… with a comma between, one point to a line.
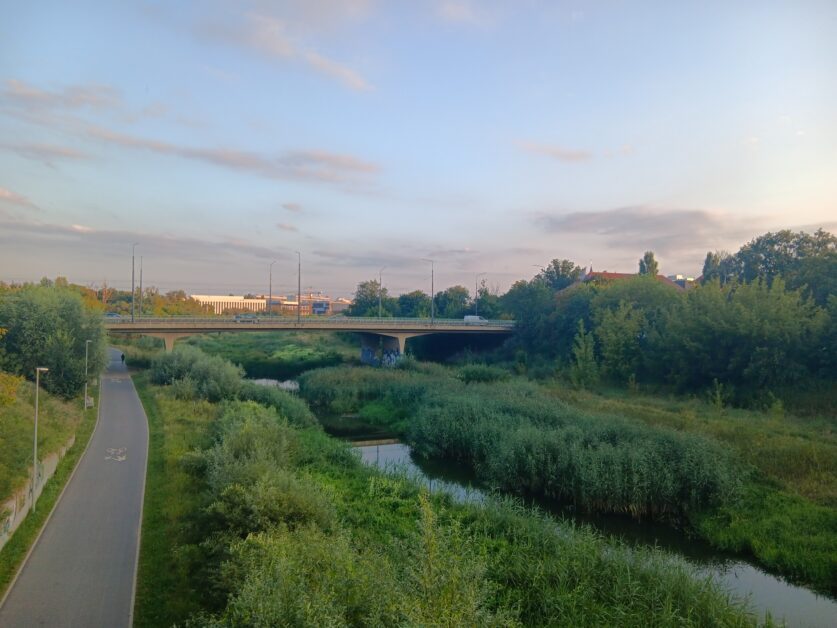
x=165, y=593
x=57, y=422
x=18, y=545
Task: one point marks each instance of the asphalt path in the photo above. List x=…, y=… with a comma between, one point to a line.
x=81, y=571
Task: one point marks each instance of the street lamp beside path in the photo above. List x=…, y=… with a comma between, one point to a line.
x=38, y=372
x=86, y=350
x=298, y=284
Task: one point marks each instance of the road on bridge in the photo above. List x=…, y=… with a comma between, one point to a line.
x=82, y=570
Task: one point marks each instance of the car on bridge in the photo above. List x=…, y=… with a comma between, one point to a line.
x=475, y=319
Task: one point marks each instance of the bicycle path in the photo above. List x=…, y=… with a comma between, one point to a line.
x=82, y=570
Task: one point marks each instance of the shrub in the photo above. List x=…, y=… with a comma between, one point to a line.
x=481, y=373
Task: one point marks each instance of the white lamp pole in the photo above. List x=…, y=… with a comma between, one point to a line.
x=270, y=289
x=86, y=349
x=432, y=290
x=38, y=372
x=380, y=290
x=477, y=293
x=298, y=284
x=133, y=267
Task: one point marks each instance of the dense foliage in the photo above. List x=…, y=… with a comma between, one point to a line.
x=294, y=530
x=196, y=375
x=47, y=327
x=520, y=440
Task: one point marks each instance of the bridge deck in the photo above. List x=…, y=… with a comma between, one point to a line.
x=144, y=325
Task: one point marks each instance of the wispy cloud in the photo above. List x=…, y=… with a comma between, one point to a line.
x=90, y=96
x=269, y=37
x=284, y=226
x=294, y=165
x=463, y=12
x=14, y=199
x=45, y=153
x=569, y=155
x=292, y=207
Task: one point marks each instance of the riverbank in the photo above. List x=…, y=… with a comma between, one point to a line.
x=522, y=438
x=265, y=517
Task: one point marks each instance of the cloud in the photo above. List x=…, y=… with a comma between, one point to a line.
x=90, y=96
x=292, y=207
x=295, y=165
x=268, y=36
x=16, y=200
x=45, y=153
x=681, y=233
x=286, y=227
x=568, y=155
x=462, y=12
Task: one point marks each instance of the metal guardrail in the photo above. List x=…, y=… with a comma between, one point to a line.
x=336, y=321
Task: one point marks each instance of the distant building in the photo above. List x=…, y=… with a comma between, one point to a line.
x=683, y=281
x=311, y=303
x=230, y=303
x=601, y=276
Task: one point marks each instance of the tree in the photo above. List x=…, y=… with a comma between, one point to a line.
x=618, y=332
x=453, y=302
x=648, y=265
x=365, y=302
x=720, y=265
x=584, y=371
x=559, y=274
x=48, y=327
x=415, y=304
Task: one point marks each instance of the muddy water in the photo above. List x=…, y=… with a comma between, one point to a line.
x=766, y=593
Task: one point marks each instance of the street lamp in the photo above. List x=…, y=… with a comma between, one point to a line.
x=38, y=372
x=380, y=289
x=432, y=290
x=477, y=293
x=133, y=268
x=298, y=285
x=270, y=289
x=86, y=349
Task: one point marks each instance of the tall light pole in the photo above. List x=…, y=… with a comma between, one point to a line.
x=270, y=289
x=432, y=290
x=38, y=372
x=86, y=349
x=140, y=294
x=298, y=285
x=133, y=267
x=380, y=290
x=477, y=294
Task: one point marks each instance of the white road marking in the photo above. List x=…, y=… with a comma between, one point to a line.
x=117, y=454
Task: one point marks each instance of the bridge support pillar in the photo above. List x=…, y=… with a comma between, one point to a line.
x=169, y=338
x=393, y=349
x=369, y=346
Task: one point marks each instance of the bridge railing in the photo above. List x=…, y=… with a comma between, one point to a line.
x=336, y=321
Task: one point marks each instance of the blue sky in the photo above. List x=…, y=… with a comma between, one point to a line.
x=488, y=136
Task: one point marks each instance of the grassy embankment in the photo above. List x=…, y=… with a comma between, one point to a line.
x=604, y=457
x=253, y=516
x=58, y=420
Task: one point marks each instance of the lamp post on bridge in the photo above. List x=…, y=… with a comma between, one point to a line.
x=477, y=293
x=380, y=291
x=432, y=290
x=298, y=285
x=270, y=289
x=133, y=269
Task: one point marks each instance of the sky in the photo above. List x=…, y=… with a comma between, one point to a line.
x=372, y=136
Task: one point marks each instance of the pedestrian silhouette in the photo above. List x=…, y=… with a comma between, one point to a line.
x=123, y=358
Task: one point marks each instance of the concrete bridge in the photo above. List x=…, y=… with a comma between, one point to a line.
x=392, y=333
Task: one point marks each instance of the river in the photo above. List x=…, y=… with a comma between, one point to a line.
x=765, y=592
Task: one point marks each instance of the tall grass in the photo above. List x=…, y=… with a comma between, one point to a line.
x=519, y=439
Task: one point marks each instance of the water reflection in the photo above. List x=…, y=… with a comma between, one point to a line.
x=766, y=593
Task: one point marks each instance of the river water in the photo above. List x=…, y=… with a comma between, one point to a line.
x=765, y=592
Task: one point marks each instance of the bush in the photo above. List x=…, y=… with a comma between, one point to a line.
x=481, y=373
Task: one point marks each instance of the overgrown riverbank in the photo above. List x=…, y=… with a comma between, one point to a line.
x=521, y=438
x=263, y=520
